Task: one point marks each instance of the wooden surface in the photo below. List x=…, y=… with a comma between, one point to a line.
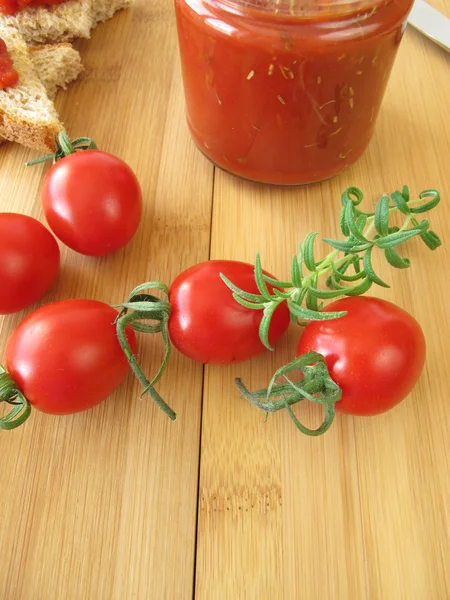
x=118, y=503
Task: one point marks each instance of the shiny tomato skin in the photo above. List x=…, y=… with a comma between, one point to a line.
x=375, y=353
x=29, y=261
x=8, y=7
x=92, y=201
x=208, y=325
x=8, y=75
x=65, y=356
x=36, y=3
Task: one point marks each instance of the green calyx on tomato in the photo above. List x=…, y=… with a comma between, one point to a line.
x=348, y=268
x=64, y=147
x=146, y=307
x=10, y=394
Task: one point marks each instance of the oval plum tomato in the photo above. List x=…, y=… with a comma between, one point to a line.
x=29, y=261
x=65, y=357
x=375, y=353
x=92, y=202
x=208, y=325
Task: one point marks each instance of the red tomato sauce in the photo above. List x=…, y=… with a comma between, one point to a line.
x=8, y=75
x=12, y=7
x=286, y=98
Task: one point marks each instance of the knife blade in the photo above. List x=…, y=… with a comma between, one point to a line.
x=429, y=21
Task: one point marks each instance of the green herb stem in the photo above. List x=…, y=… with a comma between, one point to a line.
x=12, y=395
x=315, y=386
x=136, y=312
x=363, y=232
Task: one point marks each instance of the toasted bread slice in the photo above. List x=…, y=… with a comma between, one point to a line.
x=64, y=22
x=56, y=65
x=27, y=115
x=102, y=10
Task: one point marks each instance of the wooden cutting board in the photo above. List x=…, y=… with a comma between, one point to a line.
x=119, y=503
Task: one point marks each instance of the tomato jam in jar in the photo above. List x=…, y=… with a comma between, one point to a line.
x=286, y=91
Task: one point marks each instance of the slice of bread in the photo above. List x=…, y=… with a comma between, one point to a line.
x=64, y=22
x=27, y=115
x=56, y=65
x=102, y=10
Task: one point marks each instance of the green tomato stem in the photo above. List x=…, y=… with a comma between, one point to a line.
x=10, y=393
x=315, y=385
x=145, y=307
x=64, y=147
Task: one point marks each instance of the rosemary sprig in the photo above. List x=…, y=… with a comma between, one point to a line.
x=348, y=268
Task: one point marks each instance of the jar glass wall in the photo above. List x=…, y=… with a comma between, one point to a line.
x=286, y=91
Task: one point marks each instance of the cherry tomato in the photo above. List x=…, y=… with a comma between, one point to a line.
x=29, y=261
x=65, y=356
x=208, y=325
x=375, y=353
x=92, y=202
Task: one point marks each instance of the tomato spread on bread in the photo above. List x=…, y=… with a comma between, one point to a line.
x=12, y=7
x=8, y=75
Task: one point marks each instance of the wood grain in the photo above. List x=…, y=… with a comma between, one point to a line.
x=118, y=502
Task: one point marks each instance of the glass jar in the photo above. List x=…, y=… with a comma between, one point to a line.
x=286, y=91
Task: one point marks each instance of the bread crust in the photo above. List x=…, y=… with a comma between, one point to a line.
x=27, y=115
x=63, y=22
x=31, y=135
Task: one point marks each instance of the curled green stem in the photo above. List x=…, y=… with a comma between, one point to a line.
x=20, y=407
x=136, y=312
x=315, y=385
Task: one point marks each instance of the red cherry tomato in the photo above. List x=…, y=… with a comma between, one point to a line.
x=375, y=353
x=65, y=357
x=92, y=202
x=29, y=261
x=208, y=325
